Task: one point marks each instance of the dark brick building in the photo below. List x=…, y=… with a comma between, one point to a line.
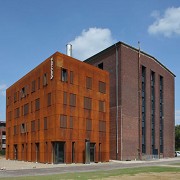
x=59, y=113
x=141, y=103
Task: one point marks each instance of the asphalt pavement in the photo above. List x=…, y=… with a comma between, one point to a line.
x=42, y=169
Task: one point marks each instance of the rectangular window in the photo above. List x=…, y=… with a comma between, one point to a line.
x=23, y=92
x=102, y=126
x=15, y=97
x=37, y=104
x=71, y=119
x=100, y=66
x=88, y=82
x=31, y=106
x=161, y=105
x=33, y=86
x=64, y=75
x=143, y=84
x=102, y=106
x=63, y=121
x=17, y=112
x=87, y=103
x=65, y=98
x=38, y=124
x=23, y=128
x=71, y=77
x=49, y=99
x=102, y=87
x=45, y=123
x=152, y=110
x=39, y=81
x=32, y=126
x=26, y=109
x=72, y=101
x=88, y=124
x=15, y=130
x=45, y=82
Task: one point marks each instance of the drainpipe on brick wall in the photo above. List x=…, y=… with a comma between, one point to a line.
x=117, y=104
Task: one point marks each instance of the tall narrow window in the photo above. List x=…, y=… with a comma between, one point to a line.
x=143, y=109
x=49, y=99
x=15, y=97
x=23, y=92
x=88, y=82
x=23, y=128
x=17, y=112
x=64, y=75
x=102, y=87
x=102, y=106
x=39, y=82
x=45, y=82
x=64, y=98
x=72, y=101
x=71, y=119
x=87, y=103
x=152, y=111
x=37, y=104
x=161, y=113
x=26, y=109
x=32, y=126
x=63, y=121
x=33, y=86
x=71, y=77
x=38, y=124
x=45, y=123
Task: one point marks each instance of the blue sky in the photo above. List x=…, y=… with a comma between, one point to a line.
x=32, y=30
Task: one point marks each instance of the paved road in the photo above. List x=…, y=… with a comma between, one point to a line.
x=86, y=167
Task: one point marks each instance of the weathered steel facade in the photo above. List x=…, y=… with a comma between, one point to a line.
x=59, y=113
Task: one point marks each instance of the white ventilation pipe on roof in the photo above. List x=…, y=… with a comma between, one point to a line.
x=69, y=50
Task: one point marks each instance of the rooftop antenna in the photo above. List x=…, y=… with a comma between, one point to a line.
x=139, y=49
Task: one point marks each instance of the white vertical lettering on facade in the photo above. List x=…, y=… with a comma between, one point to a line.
x=52, y=68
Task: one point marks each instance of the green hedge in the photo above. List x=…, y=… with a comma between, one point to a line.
x=2, y=152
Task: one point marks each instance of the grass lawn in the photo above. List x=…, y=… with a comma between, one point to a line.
x=100, y=174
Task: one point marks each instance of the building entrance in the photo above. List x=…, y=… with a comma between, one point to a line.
x=58, y=152
x=92, y=152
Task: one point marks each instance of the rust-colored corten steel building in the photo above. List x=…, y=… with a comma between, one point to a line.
x=141, y=103
x=59, y=113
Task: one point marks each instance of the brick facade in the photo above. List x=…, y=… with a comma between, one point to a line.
x=125, y=63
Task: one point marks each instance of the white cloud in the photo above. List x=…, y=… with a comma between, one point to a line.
x=168, y=24
x=177, y=117
x=90, y=42
x=3, y=89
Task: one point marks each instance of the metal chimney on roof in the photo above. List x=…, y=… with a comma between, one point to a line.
x=69, y=50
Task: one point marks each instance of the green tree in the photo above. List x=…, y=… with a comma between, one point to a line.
x=177, y=137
